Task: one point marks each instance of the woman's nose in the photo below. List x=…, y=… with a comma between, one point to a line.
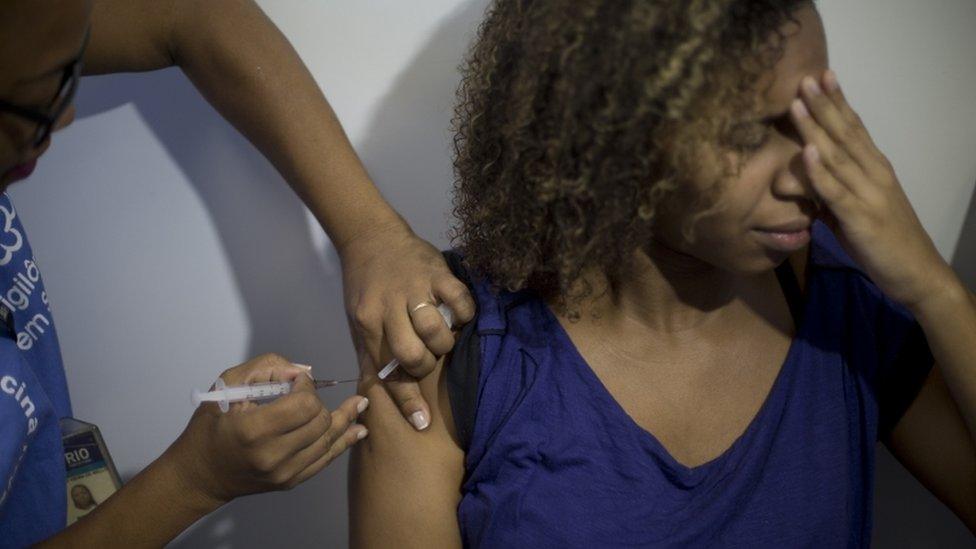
x=792, y=180
x=66, y=118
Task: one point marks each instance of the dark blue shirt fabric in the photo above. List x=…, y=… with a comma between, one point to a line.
x=33, y=397
x=554, y=461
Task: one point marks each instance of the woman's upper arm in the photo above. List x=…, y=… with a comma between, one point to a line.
x=404, y=485
x=932, y=441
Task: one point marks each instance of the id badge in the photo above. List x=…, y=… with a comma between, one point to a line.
x=92, y=476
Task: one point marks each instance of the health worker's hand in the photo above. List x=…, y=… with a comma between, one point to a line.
x=865, y=203
x=386, y=275
x=263, y=447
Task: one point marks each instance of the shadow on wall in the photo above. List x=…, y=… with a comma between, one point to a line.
x=964, y=258
x=407, y=147
x=906, y=514
x=290, y=290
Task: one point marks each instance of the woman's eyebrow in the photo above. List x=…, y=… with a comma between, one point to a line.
x=775, y=114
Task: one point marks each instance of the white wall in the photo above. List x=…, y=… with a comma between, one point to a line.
x=171, y=250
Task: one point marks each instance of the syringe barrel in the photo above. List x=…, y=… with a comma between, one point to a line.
x=224, y=395
x=259, y=392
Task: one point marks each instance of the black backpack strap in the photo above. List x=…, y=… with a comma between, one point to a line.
x=464, y=364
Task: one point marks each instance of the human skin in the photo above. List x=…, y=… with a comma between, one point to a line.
x=222, y=456
x=248, y=71
x=82, y=497
x=252, y=449
x=690, y=342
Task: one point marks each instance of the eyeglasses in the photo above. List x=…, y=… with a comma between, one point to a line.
x=46, y=120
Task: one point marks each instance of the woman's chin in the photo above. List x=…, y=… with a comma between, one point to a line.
x=756, y=264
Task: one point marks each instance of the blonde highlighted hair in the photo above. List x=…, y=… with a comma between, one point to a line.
x=576, y=119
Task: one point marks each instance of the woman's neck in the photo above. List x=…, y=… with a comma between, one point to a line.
x=667, y=292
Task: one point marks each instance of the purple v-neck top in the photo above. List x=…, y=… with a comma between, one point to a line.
x=554, y=461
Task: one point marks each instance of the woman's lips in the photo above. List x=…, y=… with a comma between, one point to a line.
x=21, y=171
x=784, y=241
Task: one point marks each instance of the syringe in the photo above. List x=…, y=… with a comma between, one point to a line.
x=448, y=318
x=223, y=394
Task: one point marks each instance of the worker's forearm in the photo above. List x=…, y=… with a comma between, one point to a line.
x=249, y=72
x=149, y=511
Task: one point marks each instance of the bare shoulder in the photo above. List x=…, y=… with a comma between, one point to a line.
x=404, y=485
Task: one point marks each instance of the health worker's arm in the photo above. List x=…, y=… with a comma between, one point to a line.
x=219, y=457
x=404, y=485
x=246, y=68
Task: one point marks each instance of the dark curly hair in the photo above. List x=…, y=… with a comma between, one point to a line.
x=577, y=118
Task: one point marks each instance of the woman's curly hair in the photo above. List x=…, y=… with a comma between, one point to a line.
x=576, y=118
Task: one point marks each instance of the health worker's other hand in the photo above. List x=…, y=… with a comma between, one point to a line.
x=263, y=447
x=865, y=203
x=387, y=276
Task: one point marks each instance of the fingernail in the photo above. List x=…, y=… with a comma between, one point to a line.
x=419, y=420
x=830, y=81
x=812, y=154
x=799, y=109
x=363, y=404
x=362, y=434
x=308, y=369
x=811, y=86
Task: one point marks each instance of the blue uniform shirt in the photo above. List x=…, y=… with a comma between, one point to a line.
x=33, y=396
